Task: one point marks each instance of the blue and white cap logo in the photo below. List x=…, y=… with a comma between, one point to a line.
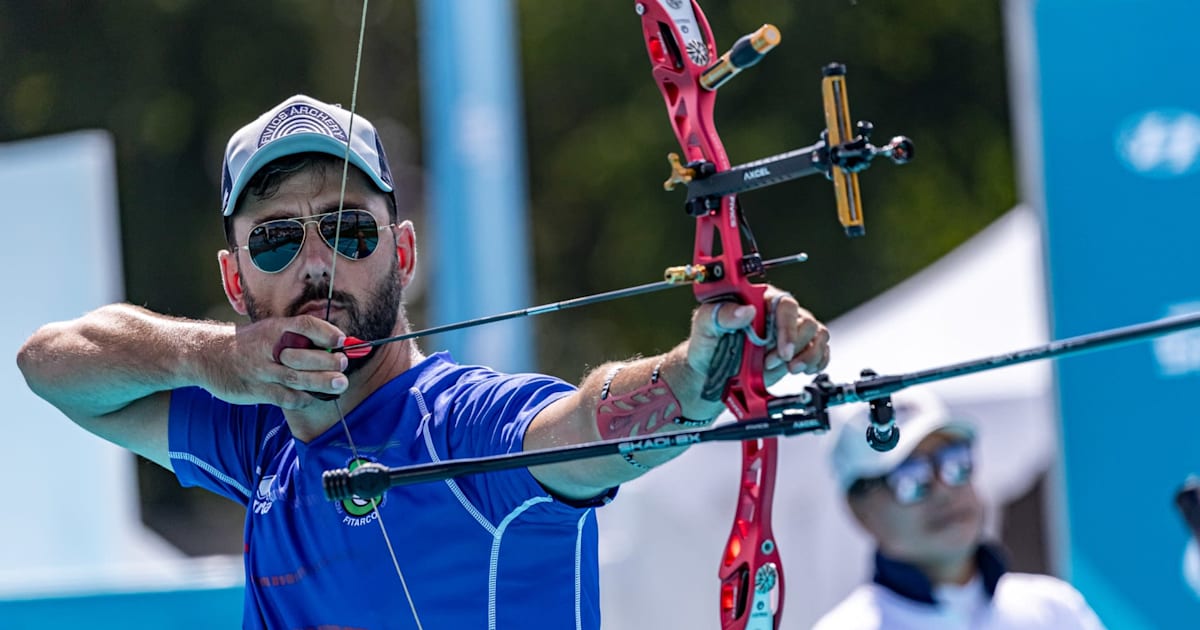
x=301, y=119
x=301, y=124
x=1160, y=143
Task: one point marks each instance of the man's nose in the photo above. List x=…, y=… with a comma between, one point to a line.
x=315, y=256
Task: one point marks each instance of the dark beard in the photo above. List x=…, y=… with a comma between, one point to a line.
x=376, y=321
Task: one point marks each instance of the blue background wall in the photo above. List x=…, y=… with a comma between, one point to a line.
x=1120, y=105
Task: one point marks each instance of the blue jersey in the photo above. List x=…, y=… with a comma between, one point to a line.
x=483, y=551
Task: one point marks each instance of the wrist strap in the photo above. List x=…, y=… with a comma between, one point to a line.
x=640, y=411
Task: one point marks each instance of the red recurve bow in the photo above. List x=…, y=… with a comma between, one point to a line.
x=726, y=261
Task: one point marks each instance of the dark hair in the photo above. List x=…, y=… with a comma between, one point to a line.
x=864, y=485
x=266, y=182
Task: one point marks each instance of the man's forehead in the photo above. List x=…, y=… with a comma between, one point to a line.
x=313, y=190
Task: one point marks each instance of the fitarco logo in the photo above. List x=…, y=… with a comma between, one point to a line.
x=358, y=510
x=1160, y=143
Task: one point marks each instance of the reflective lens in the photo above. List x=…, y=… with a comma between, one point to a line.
x=912, y=480
x=275, y=244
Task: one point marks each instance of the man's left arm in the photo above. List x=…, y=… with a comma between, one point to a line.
x=646, y=396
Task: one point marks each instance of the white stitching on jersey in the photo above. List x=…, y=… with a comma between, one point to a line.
x=450, y=483
x=578, y=577
x=210, y=469
x=494, y=565
x=270, y=434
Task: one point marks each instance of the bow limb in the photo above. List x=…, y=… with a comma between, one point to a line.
x=680, y=45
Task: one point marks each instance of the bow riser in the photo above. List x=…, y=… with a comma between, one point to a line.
x=680, y=45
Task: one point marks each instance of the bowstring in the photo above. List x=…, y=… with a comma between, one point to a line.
x=362, y=30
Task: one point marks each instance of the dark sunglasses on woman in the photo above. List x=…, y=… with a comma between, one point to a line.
x=912, y=480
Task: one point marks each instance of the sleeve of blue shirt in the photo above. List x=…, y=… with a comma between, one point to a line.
x=214, y=444
x=488, y=415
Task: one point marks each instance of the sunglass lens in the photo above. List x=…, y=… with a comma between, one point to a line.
x=355, y=236
x=274, y=244
x=954, y=465
x=910, y=482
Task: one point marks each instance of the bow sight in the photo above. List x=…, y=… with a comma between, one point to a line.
x=838, y=155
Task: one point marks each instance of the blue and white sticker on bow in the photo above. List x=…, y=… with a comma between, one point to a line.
x=1178, y=354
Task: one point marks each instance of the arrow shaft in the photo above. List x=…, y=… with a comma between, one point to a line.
x=650, y=287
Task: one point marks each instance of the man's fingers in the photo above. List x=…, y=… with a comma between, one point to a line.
x=802, y=345
x=814, y=357
x=313, y=359
x=724, y=317
x=304, y=342
x=320, y=332
x=326, y=382
x=801, y=341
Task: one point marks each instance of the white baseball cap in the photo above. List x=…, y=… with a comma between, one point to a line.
x=301, y=124
x=918, y=415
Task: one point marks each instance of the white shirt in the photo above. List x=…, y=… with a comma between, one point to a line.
x=1022, y=601
x=1191, y=565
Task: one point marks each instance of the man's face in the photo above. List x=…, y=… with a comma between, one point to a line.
x=943, y=525
x=367, y=291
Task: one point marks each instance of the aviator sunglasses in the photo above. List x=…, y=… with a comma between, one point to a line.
x=273, y=245
x=912, y=480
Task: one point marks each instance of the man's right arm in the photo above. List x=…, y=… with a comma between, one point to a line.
x=112, y=370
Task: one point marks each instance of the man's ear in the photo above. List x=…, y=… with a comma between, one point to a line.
x=231, y=280
x=406, y=251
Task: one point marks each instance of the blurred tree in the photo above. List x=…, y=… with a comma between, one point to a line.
x=171, y=79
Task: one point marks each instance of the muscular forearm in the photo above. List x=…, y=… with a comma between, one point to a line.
x=648, y=396
x=115, y=355
x=621, y=400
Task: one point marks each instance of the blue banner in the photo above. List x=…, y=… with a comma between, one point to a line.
x=1120, y=128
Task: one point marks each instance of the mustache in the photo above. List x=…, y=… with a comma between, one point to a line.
x=320, y=292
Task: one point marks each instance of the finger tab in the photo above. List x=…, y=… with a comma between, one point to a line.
x=290, y=340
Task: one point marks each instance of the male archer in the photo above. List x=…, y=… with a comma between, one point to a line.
x=229, y=408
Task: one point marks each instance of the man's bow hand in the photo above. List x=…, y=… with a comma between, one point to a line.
x=797, y=343
x=255, y=368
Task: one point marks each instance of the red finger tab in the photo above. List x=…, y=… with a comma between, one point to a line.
x=296, y=340
x=290, y=340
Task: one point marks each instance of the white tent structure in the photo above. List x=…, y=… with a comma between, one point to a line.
x=661, y=540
